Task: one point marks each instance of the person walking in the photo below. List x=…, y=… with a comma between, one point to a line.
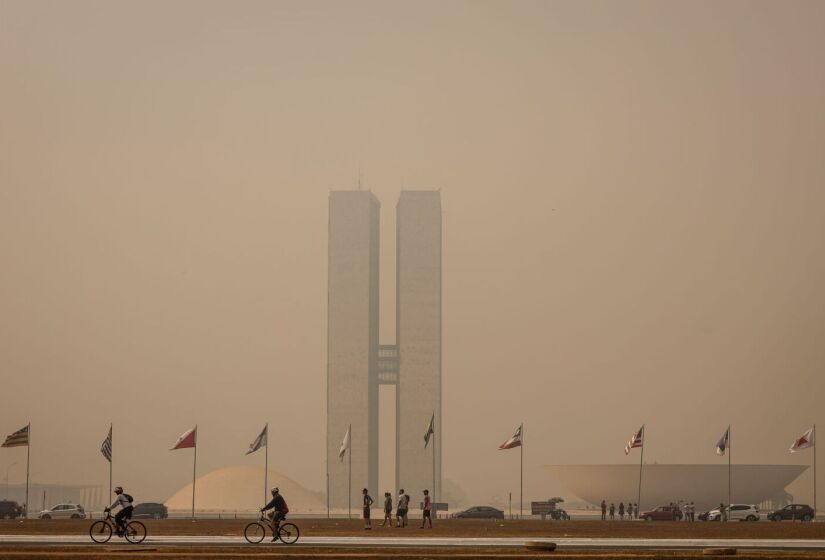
x=368, y=501
x=403, y=506
x=621, y=511
x=387, y=509
x=612, y=512
x=604, y=510
x=428, y=505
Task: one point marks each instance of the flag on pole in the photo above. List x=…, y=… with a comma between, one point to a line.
x=260, y=441
x=722, y=444
x=636, y=440
x=187, y=439
x=345, y=445
x=430, y=431
x=805, y=441
x=514, y=441
x=106, y=447
x=20, y=438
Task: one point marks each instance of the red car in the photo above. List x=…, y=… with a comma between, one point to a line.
x=662, y=513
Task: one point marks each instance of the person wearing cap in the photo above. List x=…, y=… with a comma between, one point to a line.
x=125, y=502
x=279, y=510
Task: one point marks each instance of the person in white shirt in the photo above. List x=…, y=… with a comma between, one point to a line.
x=125, y=502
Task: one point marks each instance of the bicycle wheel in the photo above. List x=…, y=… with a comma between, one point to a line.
x=289, y=533
x=135, y=532
x=254, y=533
x=100, y=531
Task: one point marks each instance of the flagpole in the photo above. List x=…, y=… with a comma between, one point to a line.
x=349, y=484
x=641, y=460
x=521, y=477
x=194, y=471
x=111, y=459
x=727, y=518
x=266, y=465
x=434, y=495
x=814, y=438
x=28, y=457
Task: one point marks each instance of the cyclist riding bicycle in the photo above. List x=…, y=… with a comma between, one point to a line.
x=279, y=510
x=125, y=502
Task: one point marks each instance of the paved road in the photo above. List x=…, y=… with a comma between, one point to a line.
x=390, y=542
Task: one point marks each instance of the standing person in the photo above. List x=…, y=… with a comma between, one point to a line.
x=387, y=509
x=125, y=502
x=403, y=505
x=368, y=501
x=428, y=510
x=612, y=512
x=692, y=511
x=621, y=511
x=636, y=511
x=604, y=510
x=723, y=513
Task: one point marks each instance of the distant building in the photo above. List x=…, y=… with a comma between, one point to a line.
x=357, y=364
x=705, y=485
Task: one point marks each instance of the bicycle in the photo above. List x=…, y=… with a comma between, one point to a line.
x=102, y=529
x=256, y=531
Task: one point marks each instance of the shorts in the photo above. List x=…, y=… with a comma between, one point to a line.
x=426, y=513
x=366, y=513
x=402, y=512
x=276, y=515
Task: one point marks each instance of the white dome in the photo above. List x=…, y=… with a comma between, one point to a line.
x=241, y=488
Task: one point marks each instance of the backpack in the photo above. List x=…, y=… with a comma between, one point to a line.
x=129, y=498
x=286, y=508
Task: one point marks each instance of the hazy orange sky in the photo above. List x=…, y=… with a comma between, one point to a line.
x=633, y=201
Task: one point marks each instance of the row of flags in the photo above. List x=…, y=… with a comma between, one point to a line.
x=805, y=441
x=189, y=438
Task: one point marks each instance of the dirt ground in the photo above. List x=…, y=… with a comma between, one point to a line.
x=301, y=553
x=456, y=528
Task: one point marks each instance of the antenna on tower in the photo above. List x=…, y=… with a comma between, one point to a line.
x=359, y=177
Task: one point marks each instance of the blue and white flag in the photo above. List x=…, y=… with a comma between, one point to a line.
x=260, y=441
x=723, y=443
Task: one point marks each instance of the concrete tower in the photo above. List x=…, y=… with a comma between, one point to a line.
x=357, y=364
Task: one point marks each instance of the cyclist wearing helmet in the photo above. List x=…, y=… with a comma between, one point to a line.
x=125, y=502
x=279, y=510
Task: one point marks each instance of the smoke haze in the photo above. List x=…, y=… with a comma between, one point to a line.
x=633, y=203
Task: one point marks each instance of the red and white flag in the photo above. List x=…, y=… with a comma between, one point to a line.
x=187, y=439
x=637, y=440
x=804, y=442
x=514, y=441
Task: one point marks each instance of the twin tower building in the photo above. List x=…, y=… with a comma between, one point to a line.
x=358, y=363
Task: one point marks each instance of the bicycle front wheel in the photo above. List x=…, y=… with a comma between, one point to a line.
x=288, y=533
x=254, y=533
x=100, y=531
x=135, y=532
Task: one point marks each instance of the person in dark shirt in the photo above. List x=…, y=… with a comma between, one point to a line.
x=387, y=509
x=367, y=504
x=279, y=510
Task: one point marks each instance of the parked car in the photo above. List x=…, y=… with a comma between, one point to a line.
x=737, y=512
x=63, y=511
x=479, y=512
x=793, y=512
x=10, y=509
x=662, y=513
x=150, y=510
